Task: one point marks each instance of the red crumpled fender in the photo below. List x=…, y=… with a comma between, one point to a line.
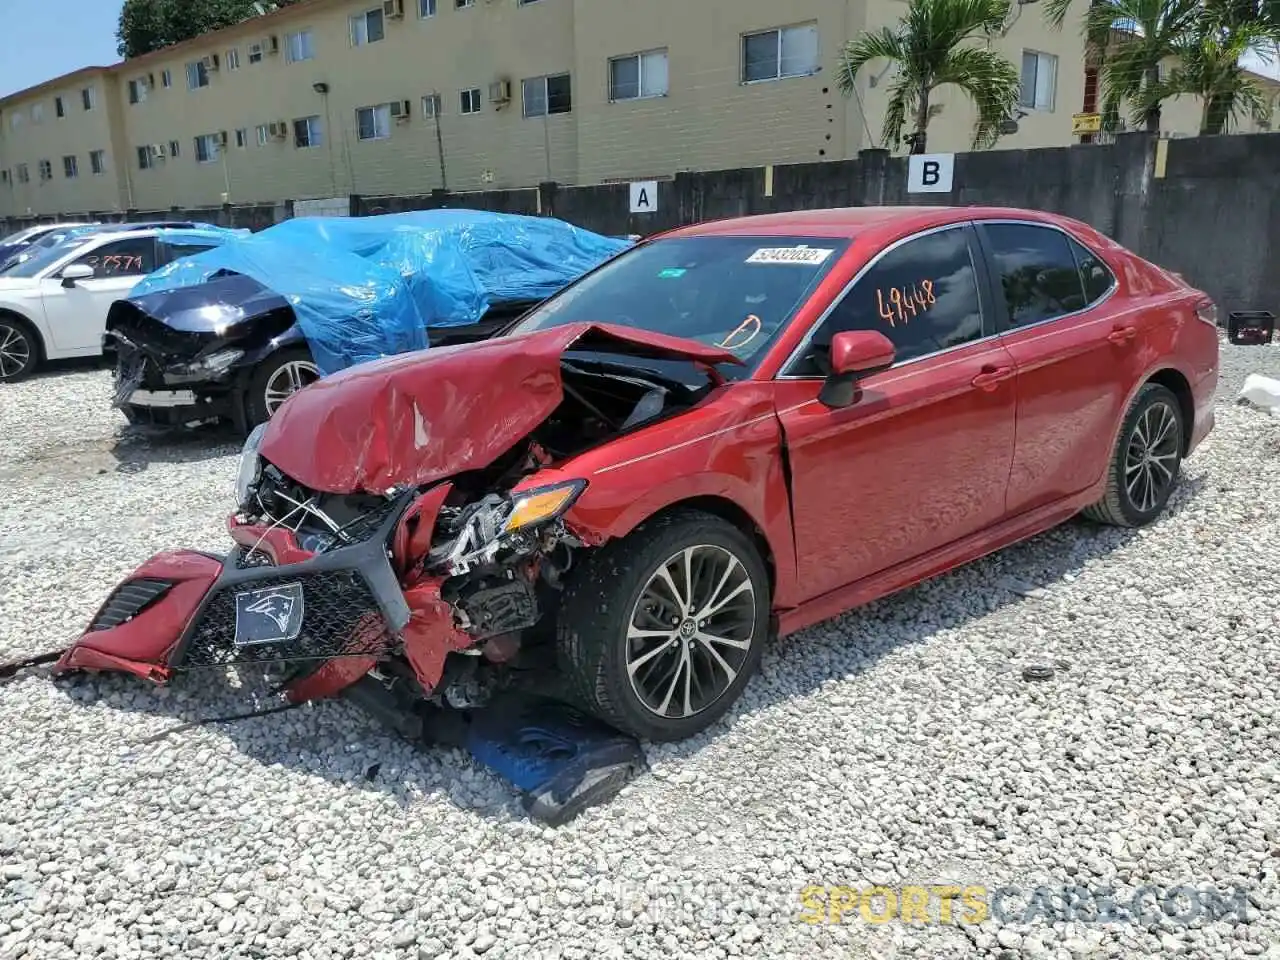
x=142, y=646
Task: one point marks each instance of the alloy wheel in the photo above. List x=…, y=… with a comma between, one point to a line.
x=1151, y=456
x=286, y=381
x=691, y=631
x=15, y=351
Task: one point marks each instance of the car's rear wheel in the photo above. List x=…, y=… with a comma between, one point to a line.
x=278, y=378
x=660, y=631
x=19, y=349
x=1144, y=467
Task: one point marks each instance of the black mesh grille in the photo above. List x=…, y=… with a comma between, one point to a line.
x=341, y=619
x=128, y=600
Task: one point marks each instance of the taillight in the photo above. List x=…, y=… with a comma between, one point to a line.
x=1207, y=311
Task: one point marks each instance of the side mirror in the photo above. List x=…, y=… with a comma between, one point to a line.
x=854, y=354
x=77, y=271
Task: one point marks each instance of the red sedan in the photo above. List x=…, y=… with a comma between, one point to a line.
x=729, y=431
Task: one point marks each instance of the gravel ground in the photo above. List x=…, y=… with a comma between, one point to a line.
x=898, y=746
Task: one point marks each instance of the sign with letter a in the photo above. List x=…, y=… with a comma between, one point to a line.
x=930, y=172
x=644, y=196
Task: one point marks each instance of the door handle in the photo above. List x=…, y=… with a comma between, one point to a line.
x=1122, y=334
x=990, y=376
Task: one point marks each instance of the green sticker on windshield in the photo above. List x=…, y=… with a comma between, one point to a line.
x=670, y=273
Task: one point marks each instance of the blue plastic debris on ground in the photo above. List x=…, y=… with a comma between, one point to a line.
x=368, y=287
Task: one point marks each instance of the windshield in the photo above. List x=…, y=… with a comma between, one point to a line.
x=732, y=292
x=43, y=259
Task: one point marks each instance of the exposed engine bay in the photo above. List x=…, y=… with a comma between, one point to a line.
x=500, y=557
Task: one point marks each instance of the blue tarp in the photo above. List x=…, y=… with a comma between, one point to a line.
x=367, y=287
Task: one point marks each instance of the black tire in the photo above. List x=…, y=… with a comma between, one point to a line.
x=1122, y=506
x=602, y=598
x=256, y=403
x=21, y=347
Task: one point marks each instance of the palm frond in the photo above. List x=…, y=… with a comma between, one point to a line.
x=885, y=45
x=991, y=82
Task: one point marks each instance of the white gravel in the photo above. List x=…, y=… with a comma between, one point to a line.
x=898, y=745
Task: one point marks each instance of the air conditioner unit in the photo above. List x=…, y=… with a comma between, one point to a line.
x=210, y=62
x=222, y=138
x=271, y=44
x=158, y=151
x=277, y=130
x=500, y=91
x=151, y=80
x=393, y=9
x=401, y=109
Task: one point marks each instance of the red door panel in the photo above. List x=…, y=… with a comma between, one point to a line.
x=920, y=460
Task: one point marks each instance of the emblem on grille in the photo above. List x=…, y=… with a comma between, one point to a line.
x=269, y=615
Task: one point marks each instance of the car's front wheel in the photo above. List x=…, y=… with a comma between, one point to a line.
x=1144, y=466
x=19, y=351
x=660, y=631
x=278, y=378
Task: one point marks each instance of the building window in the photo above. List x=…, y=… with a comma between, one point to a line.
x=175, y=149
x=426, y=8
x=307, y=133
x=459, y=4
x=300, y=46
x=785, y=52
x=471, y=100
x=197, y=75
x=233, y=59
x=37, y=113
x=59, y=107
x=166, y=79
x=255, y=53
x=89, y=97
x=70, y=167
x=4, y=176
x=207, y=148
x=431, y=106
x=46, y=170
x=242, y=138
x=1039, y=78
x=547, y=95
x=15, y=120
x=137, y=91
x=638, y=75
x=367, y=27
x=373, y=123
x=98, y=162
x=264, y=134
x=24, y=173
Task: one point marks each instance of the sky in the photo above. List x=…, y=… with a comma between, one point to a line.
x=43, y=39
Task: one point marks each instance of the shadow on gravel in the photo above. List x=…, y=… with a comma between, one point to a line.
x=137, y=447
x=339, y=743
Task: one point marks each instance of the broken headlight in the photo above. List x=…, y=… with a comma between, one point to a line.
x=214, y=365
x=500, y=523
x=250, y=470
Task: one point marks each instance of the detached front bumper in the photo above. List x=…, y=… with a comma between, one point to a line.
x=329, y=616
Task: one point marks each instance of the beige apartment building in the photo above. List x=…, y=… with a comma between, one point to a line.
x=382, y=97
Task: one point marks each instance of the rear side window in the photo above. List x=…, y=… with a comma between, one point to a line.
x=1095, y=274
x=176, y=251
x=1036, y=271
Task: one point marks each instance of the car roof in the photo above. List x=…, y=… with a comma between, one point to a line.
x=851, y=222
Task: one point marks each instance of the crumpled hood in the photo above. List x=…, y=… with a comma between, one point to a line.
x=210, y=307
x=422, y=416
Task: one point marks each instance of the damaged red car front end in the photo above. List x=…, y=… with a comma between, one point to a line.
x=388, y=516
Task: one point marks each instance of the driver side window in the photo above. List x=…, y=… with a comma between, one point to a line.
x=922, y=295
x=124, y=258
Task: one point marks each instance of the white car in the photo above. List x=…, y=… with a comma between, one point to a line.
x=54, y=305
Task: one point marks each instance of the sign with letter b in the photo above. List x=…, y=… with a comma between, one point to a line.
x=930, y=172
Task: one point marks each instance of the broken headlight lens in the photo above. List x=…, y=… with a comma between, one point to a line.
x=532, y=507
x=250, y=464
x=215, y=364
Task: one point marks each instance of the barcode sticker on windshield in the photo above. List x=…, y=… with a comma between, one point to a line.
x=811, y=256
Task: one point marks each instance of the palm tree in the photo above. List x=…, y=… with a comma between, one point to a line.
x=929, y=48
x=1129, y=69
x=1209, y=68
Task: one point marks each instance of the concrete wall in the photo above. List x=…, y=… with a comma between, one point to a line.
x=1205, y=207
